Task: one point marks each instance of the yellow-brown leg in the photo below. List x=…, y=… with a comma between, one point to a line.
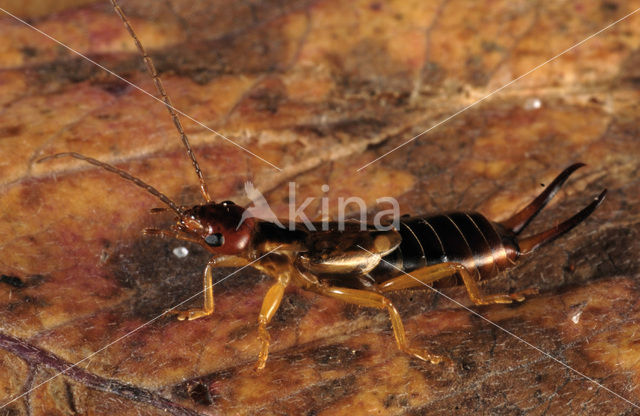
x=430, y=274
x=270, y=305
x=207, y=309
x=376, y=300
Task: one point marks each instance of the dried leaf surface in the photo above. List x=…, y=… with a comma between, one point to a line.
x=318, y=89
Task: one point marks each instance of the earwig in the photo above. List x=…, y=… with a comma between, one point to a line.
x=351, y=264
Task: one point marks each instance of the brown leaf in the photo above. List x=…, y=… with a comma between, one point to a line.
x=318, y=89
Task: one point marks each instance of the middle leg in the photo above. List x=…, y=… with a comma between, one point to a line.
x=376, y=300
x=270, y=305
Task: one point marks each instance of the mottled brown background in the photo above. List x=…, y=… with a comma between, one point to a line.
x=318, y=88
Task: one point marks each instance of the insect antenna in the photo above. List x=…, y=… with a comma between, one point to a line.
x=160, y=87
x=153, y=191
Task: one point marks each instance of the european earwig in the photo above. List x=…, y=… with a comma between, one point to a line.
x=352, y=264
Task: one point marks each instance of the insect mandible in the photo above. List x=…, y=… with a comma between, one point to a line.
x=366, y=263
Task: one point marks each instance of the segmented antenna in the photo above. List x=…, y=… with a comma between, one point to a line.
x=123, y=174
x=158, y=83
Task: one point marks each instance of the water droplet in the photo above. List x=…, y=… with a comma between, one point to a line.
x=180, y=252
x=532, y=104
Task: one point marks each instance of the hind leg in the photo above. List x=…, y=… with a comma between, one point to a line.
x=430, y=274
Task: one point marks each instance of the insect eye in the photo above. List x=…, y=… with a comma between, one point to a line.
x=225, y=203
x=214, y=240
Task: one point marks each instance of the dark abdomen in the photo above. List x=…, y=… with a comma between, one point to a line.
x=483, y=247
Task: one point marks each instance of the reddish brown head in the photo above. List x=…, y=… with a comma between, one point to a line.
x=216, y=224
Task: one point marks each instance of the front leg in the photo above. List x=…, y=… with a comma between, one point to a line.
x=207, y=309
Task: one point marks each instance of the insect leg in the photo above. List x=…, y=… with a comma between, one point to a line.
x=207, y=309
x=270, y=305
x=376, y=300
x=191, y=314
x=430, y=274
x=419, y=277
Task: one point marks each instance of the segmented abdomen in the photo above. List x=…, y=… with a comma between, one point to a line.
x=483, y=247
